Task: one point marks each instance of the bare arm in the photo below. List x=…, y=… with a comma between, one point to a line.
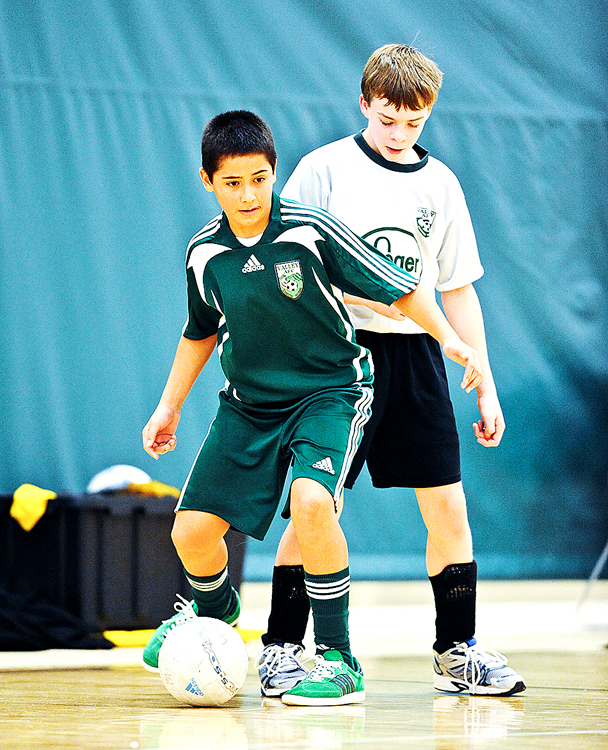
x=421, y=307
x=190, y=358
x=463, y=310
x=389, y=311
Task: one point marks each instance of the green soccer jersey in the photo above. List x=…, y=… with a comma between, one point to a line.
x=277, y=307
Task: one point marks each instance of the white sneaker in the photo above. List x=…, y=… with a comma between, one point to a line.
x=281, y=668
x=466, y=667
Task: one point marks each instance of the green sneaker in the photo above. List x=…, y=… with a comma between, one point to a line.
x=331, y=683
x=233, y=617
x=184, y=610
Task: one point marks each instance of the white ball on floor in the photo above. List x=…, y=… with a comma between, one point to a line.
x=203, y=662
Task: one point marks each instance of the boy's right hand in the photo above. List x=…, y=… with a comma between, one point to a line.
x=456, y=350
x=159, y=434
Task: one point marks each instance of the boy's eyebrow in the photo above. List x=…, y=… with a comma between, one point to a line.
x=239, y=176
x=412, y=119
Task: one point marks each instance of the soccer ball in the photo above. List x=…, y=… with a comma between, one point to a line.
x=203, y=662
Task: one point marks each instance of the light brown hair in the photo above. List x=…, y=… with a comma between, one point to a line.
x=403, y=76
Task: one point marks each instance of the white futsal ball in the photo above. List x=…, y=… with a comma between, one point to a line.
x=203, y=662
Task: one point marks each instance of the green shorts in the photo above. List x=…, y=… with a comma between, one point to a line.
x=243, y=462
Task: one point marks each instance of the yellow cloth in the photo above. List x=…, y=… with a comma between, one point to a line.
x=29, y=504
x=152, y=488
x=139, y=638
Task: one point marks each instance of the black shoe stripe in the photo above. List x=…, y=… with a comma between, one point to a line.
x=345, y=682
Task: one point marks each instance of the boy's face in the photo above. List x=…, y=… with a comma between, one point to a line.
x=392, y=132
x=243, y=188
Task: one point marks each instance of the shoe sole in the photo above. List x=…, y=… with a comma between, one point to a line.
x=277, y=692
x=273, y=693
x=342, y=700
x=449, y=685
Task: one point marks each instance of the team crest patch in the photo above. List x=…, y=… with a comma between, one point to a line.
x=425, y=220
x=289, y=276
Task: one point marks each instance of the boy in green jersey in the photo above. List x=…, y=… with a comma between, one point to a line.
x=265, y=284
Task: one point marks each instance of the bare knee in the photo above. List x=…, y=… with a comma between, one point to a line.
x=195, y=532
x=185, y=539
x=311, y=504
x=451, y=536
x=444, y=510
x=308, y=510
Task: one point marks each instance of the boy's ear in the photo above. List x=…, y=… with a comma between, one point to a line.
x=364, y=106
x=206, y=181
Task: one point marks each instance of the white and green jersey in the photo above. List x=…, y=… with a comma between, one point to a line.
x=415, y=214
x=277, y=307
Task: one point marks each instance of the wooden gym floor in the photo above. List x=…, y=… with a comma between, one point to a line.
x=103, y=700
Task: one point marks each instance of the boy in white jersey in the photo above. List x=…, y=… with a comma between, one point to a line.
x=264, y=284
x=410, y=207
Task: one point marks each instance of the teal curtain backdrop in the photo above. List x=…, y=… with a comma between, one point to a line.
x=102, y=105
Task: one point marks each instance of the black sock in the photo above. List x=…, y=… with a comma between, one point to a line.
x=455, y=596
x=289, y=606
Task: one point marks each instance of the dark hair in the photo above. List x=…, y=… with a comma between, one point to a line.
x=235, y=133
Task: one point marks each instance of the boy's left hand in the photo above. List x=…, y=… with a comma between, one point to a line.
x=465, y=355
x=490, y=428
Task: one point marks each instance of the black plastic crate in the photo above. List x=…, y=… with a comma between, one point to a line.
x=106, y=558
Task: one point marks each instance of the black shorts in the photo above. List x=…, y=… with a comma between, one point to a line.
x=411, y=438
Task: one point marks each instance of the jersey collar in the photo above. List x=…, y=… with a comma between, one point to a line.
x=393, y=166
x=226, y=236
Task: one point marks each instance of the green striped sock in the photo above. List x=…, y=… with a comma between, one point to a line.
x=214, y=595
x=329, y=595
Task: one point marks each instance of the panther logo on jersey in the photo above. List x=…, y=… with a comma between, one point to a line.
x=425, y=220
x=398, y=246
x=289, y=276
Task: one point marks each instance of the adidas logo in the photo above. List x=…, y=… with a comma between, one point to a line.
x=194, y=688
x=253, y=264
x=324, y=464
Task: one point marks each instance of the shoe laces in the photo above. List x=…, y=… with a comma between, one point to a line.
x=323, y=669
x=184, y=609
x=479, y=661
x=277, y=658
